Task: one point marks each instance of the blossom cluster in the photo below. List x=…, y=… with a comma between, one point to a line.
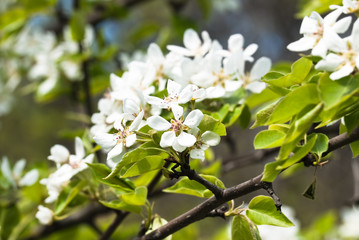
x=67, y=166
x=339, y=55
x=162, y=90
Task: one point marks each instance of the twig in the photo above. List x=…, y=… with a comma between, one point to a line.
x=120, y=216
x=268, y=186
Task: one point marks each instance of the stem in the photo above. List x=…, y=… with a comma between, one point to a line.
x=120, y=216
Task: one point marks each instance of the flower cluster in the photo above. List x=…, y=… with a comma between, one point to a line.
x=163, y=90
x=321, y=35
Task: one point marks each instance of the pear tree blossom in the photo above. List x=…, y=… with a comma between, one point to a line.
x=176, y=132
x=349, y=6
x=206, y=140
x=44, y=215
x=15, y=175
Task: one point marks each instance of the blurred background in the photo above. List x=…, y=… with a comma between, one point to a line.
x=46, y=75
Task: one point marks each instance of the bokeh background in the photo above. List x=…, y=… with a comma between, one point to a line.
x=30, y=124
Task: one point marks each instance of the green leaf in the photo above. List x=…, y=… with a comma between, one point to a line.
x=354, y=146
x=333, y=93
x=245, y=117
x=77, y=26
x=67, y=196
x=101, y=171
x=321, y=144
x=300, y=70
x=190, y=187
x=145, y=165
x=209, y=123
x=262, y=211
x=267, y=95
x=351, y=121
x=137, y=198
x=293, y=103
x=299, y=154
x=9, y=219
x=270, y=171
x=243, y=229
x=310, y=192
x=268, y=139
x=299, y=126
x=120, y=205
x=141, y=152
x=264, y=115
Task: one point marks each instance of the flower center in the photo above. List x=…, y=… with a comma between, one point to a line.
x=122, y=135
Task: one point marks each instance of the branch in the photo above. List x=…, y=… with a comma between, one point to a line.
x=268, y=186
x=120, y=216
x=202, y=210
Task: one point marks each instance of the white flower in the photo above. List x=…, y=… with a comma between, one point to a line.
x=176, y=136
x=320, y=34
x=235, y=44
x=349, y=6
x=344, y=62
x=193, y=44
x=14, y=176
x=207, y=139
x=44, y=215
x=175, y=97
x=117, y=143
x=59, y=154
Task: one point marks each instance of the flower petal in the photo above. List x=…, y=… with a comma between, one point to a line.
x=167, y=139
x=173, y=88
x=178, y=147
x=130, y=106
x=59, y=154
x=158, y=123
x=191, y=39
x=137, y=122
x=79, y=148
x=193, y=119
x=117, y=150
x=186, y=139
x=303, y=44
x=260, y=68
x=197, y=154
x=105, y=140
x=177, y=111
x=18, y=168
x=130, y=140
x=29, y=178
x=342, y=72
x=211, y=138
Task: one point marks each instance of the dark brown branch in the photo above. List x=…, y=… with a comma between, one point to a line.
x=268, y=186
x=202, y=210
x=120, y=216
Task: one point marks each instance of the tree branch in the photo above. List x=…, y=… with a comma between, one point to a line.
x=120, y=216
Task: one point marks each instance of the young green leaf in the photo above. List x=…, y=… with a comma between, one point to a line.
x=137, y=198
x=269, y=139
x=321, y=144
x=145, y=165
x=243, y=229
x=209, y=123
x=121, y=205
x=68, y=195
x=270, y=171
x=190, y=187
x=262, y=211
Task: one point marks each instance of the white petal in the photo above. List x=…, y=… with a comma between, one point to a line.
x=29, y=178
x=185, y=95
x=232, y=86
x=193, y=119
x=79, y=148
x=44, y=215
x=215, y=92
x=158, y=123
x=173, y=88
x=235, y=42
x=59, y=154
x=105, y=140
x=167, y=139
x=117, y=150
x=186, y=140
x=342, y=72
x=119, y=122
x=309, y=25
x=177, y=111
x=211, y=138
x=256, y=86
x=6, y=170
x=130, y=106
x=130, y=140
x=332, y=17
x=333, y=41
x=197, y=154
x=191, y=39
x=303, y=44
x=330, y=63
x=260, y=68
x=136, y=123
x=342, y=25
x=178, y=147
x=357, y=62
x=249, y=51
x=320, y=49
x=19, y=167
x=154, y=100
x=179, y=50
x=199, y=94
x=355, y=35
x=155, y=55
